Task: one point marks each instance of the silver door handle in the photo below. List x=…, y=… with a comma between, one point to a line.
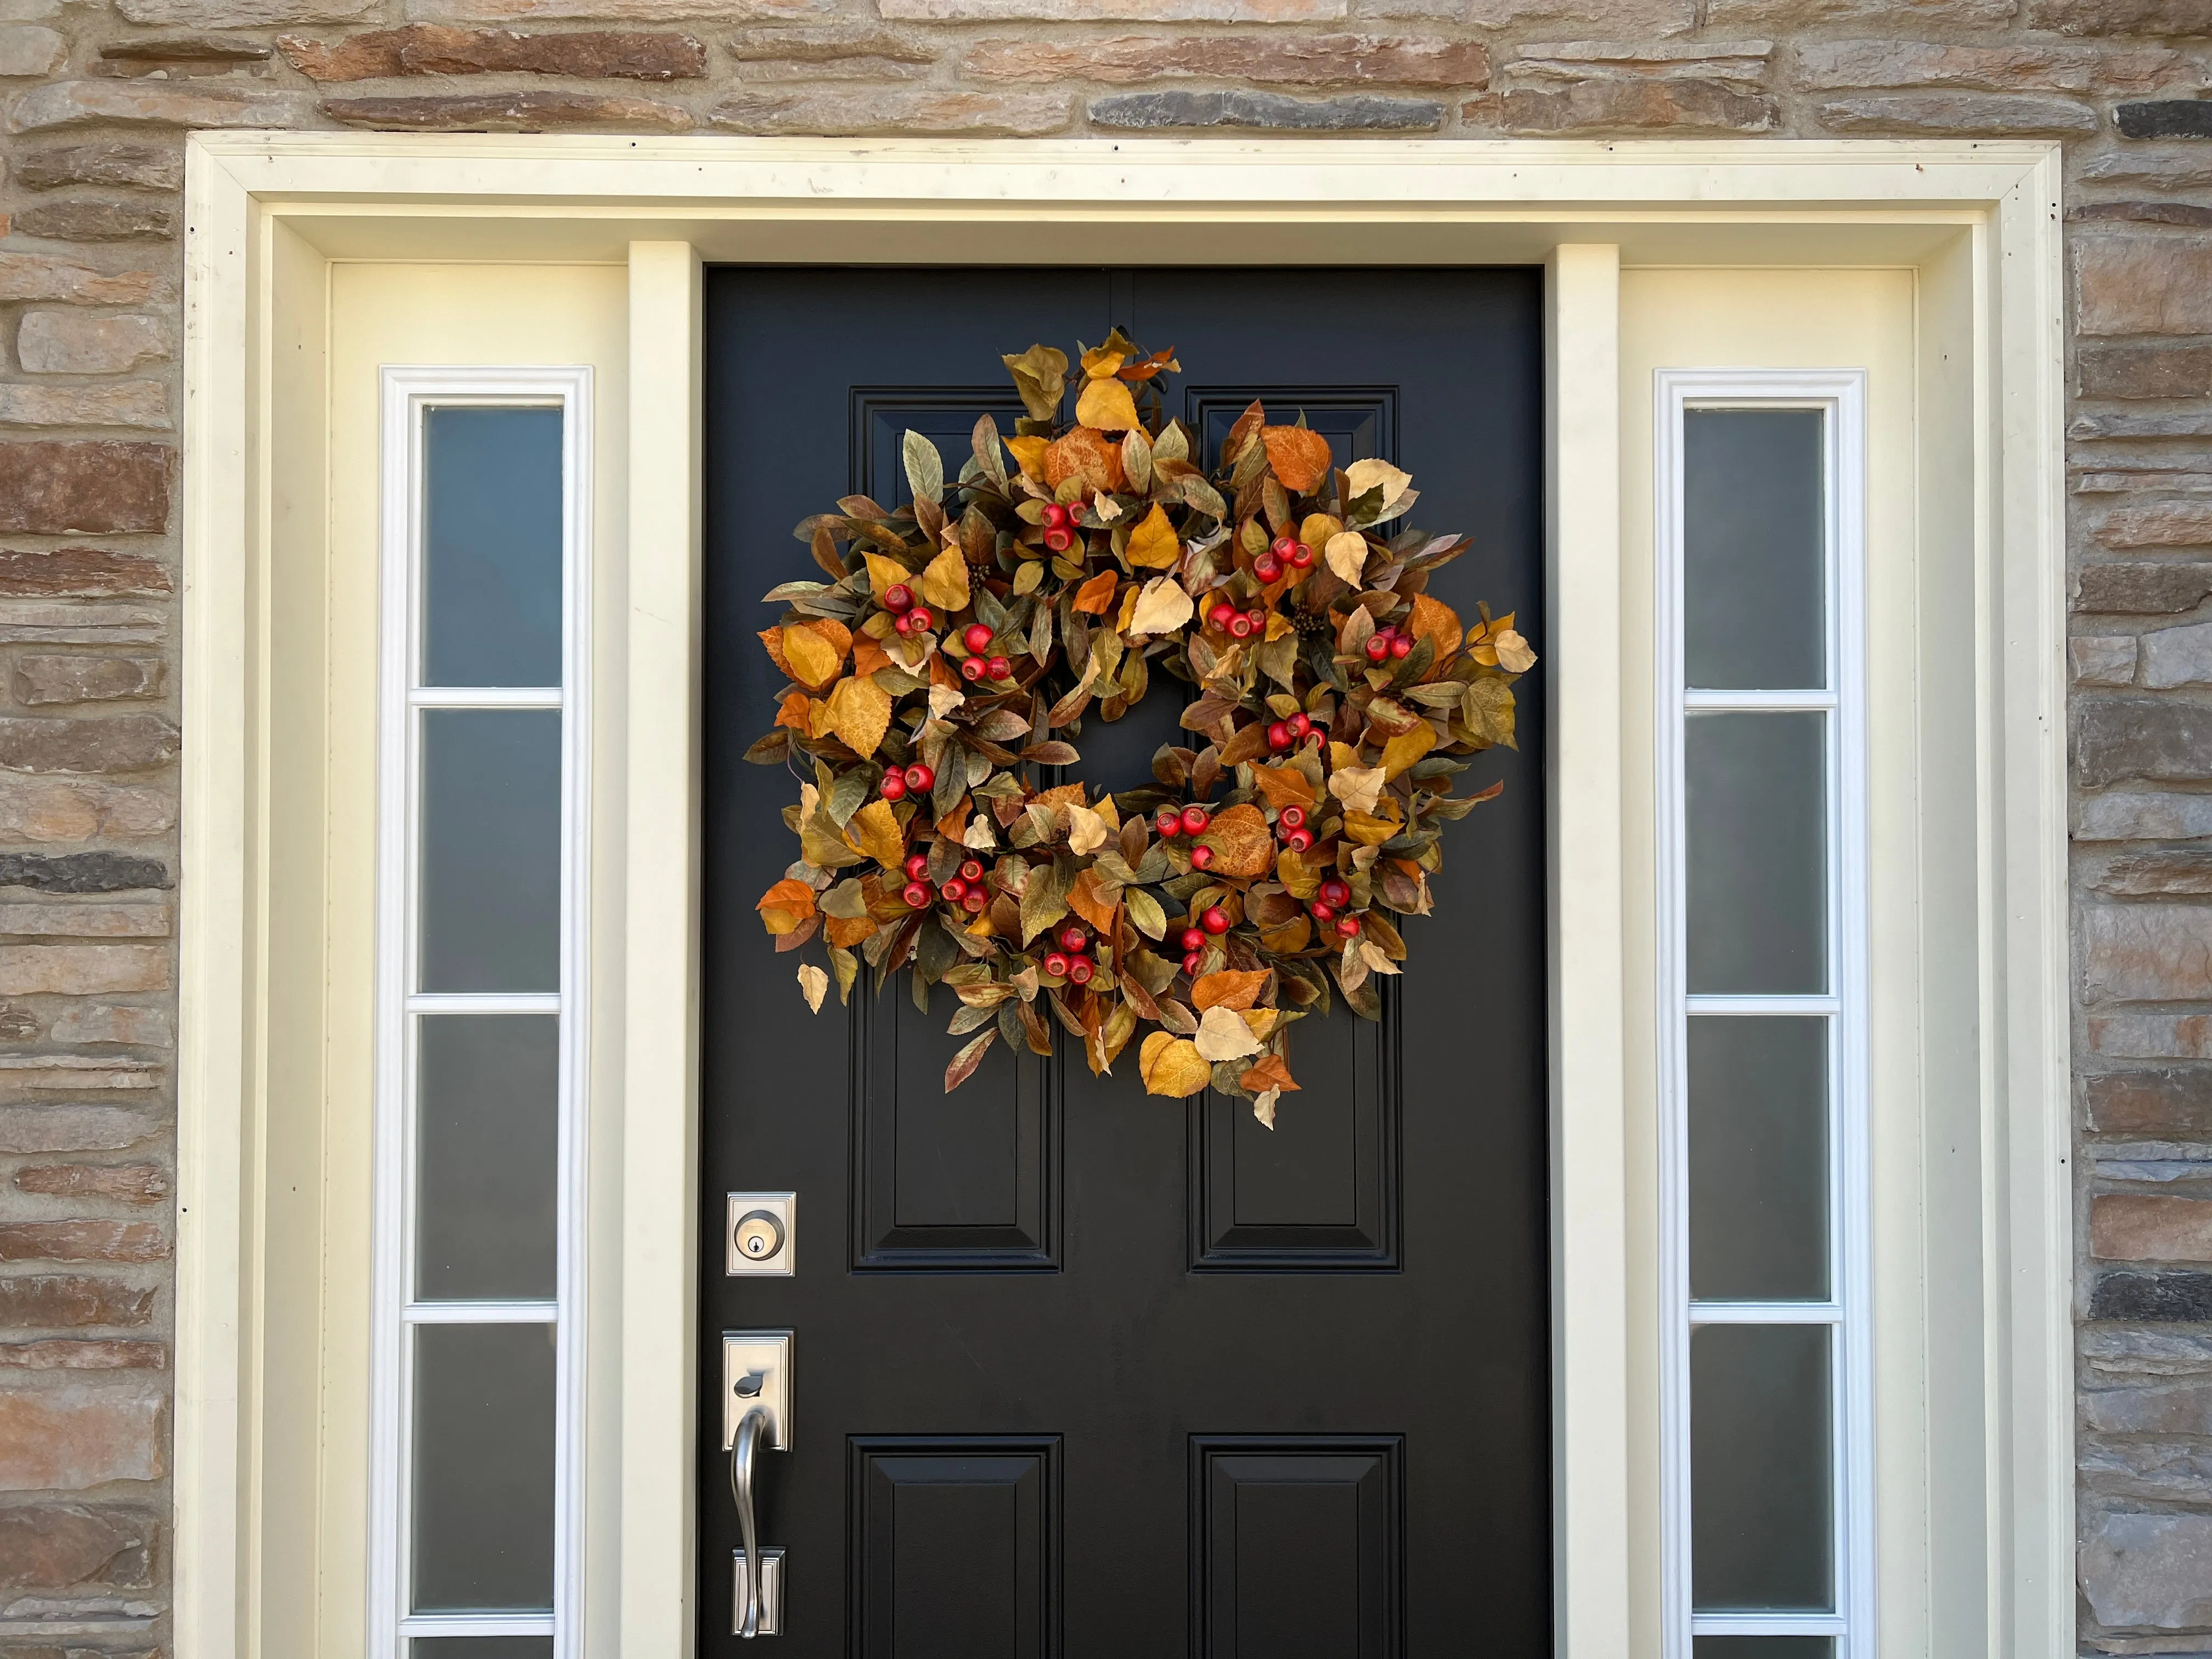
x=741, y=1489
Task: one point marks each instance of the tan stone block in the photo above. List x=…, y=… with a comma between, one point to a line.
x=157, y=103
x=72, y=342
x=2166, y=873
x=893, y=110
x=242, y=14
x=2127, y=1227
x=2158, y=524
x=1900, y=14
x=123, y=1183
x=87, y=220
x=85, y=918
x=1975, y=114
x=1828, y=64
x=531, y=110
x=59, y=1546
x=81, y=572
x=45, y=680
x=1301, y=60
x=2143, y=284
x=141, y=404
x=801, y=51
x=2144, y=213
x=180, y=54
x=2152, y=1037
x=1110, y=11
x=82, y=969
x=1629, y=105
x=72, y=1129
x=28, y=49
x=1581, y=60
x=2103, y=660
x=106, y=161
x=66, y=808
x=81, y=1435
x=616, y=11
x=83, y=1241
x=2145, y=953
x=36, y=622
x=85, y=1354
x=2144, y=371
x=2156, y=17
x=75, y=1074
x=432, y=49
x=50, y=277
x=104, y=1021
x=117, y=743
x=56, y=1302
x=97, y=486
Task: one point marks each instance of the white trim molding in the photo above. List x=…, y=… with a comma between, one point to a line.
x=270, y=216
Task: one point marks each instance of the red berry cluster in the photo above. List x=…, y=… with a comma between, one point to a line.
x=1387, y=641
x=982, y=663
x=907, y=616
x=1286, y=551
x=1291, y=829
x=1062, y=522
x=900, y=782
x=1226, y=618
x=964, y=891
x=1069, y=962
x=1328, y=905
x=1300, y=727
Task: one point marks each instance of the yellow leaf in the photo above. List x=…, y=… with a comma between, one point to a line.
x=814, y=662
x=1368, y=829
x=1107, y=405
x=1100, y=361
x=1347, y=555
x=812, y=983
x=1152, y=544
x=859, y=713
x=875, y=830
x=1029, y=455
x=1364, y=476
x=1356, y=786
x=1402, y=751
x=1223, y=1034
x=886, y=573
x=944, y=583
x=1318, y=528
x=1172, y=1066
x=1161, y=608
x=1129, y=597
x=1261, y=1020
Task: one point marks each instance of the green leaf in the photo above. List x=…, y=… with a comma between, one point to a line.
x=1044, y=901
x=986, y=444
x=925, y=467
x=846, y=797
x=845, y=900
x=1144, y=911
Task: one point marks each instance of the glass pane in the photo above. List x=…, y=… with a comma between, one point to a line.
x=484, y=1468
x=1757, y=824
x=486, y=1156
x=1754, y=546
x=491, y=849
x=1759, y=1158
x=1760, y=1486
x=491, y=547
x=483, y=1646
x=1763, y=1647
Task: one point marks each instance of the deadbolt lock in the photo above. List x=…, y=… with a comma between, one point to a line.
x=758, y=1233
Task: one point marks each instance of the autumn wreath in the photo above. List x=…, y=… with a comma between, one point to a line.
x=958, y=645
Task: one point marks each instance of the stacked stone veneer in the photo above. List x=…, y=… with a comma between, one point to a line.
x=97, y=98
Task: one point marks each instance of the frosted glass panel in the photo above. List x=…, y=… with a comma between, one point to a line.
x=1763, y=1647
x=1760, y=1492
x=1755, y=547
x=483, y=1468
x=1756, y=829
x=491, y=547
x=1759, y=1158
x=483, y=1647
x=491, y=849
x=487, y=1153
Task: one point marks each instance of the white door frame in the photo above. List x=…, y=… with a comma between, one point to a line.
x=268, y=213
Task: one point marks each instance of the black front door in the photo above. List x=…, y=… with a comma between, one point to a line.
x=1079, y=1370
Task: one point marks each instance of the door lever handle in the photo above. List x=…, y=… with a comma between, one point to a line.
x=741, y=1490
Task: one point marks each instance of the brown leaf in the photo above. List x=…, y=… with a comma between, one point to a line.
x=1299, y=455
x=965, y=1062
x=1269, y=1072
x=1249, y=743
x=1083, y=453
x=1152, y=544
x=1232, y=989
x=1172, y=1066
x=849, y=930
x=1243, y=846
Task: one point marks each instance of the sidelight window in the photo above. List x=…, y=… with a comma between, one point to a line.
x=479, y=1160
x=1762, y=1043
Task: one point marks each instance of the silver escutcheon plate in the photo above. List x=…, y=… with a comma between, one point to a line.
x=771, y=1619
x=756, y=1371
x=759, y=1234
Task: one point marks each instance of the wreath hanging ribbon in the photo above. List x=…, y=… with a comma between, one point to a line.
x=960, y=643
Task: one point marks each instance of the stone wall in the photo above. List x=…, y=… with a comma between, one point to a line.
x=97, y=98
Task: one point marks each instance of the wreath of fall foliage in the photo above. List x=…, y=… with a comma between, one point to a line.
x=961, y=644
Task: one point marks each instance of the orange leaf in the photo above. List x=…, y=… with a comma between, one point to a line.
x=1096, y=596
x=786, y=906
x=1288, y=939
x=1268, y=1072
x=1232, y=988
x=1243, y=846
x=792, y=712
x=1299, y=454
x=1438, y=623
x=1283, y=785
x=773, y=639
x=849, y=930
x=1087, y=899
x=868, y=656
x=1083, y=453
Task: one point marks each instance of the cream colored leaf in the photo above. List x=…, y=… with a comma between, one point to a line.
x=1364, y=476
x=1356, y=786
x=944, y=583
x=1514, y=655
x=1263, y=1107
x=1376, y=957
x=1351, y=972
x=943, y=700
x=978, y=834
x=1161, y=608
x=1086, y=830
x=1347, y=555
x=1222, y=1035
x=1105, y=508
x=813, y=985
